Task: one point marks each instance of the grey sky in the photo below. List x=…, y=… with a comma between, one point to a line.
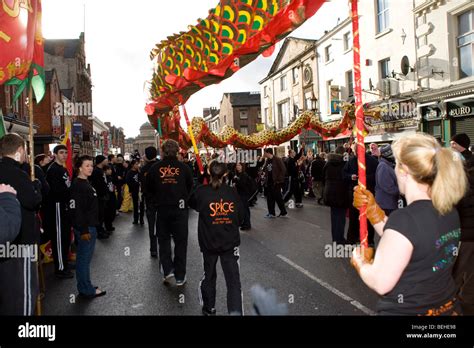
x=120, y=35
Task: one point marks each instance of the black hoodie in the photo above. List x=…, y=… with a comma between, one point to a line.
x=220, y=215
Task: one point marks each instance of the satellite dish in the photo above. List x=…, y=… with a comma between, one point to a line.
x=405, y=65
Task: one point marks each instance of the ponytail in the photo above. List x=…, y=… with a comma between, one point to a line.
x=450, y=183
x=430, y=164
x=217, y=170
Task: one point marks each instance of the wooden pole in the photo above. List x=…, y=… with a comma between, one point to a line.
x=32, y=173
x=359, y=119
x=31, y=139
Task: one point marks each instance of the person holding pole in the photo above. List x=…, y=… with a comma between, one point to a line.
x=412, y=269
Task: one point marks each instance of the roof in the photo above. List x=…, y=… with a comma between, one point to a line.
x=65, y=47
x=281, y=53
x=244, y=98
x=146, y=125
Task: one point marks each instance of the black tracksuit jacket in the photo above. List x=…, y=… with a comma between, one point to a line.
x=220, y=215
x=29, y=196
x=169, y=182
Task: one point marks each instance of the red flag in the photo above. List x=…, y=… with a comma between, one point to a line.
x=21, y=44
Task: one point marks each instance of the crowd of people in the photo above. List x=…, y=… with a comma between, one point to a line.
x=419, y=198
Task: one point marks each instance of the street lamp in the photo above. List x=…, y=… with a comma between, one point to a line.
x=314, y=103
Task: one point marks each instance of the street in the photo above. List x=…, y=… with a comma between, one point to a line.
x=285, y=254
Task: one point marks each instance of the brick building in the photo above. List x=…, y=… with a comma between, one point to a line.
x=240, y=111
x=68, y=58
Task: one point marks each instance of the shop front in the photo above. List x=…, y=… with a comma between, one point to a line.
x=433, y=121
x=461, y=115
x=398, y=118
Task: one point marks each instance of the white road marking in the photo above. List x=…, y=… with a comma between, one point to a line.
x=327, y=286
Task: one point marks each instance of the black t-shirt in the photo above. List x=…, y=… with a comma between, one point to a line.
x=427, y=282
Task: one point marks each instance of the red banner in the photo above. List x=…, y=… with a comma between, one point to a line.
x=21, y=44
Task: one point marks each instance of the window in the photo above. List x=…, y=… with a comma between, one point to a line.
x=259, y=114
x=385, y=68
x=265, y=113
x=225, y=119
x=347, y=41
x=420, y=20
x=244, y=130
x=265, y=91
x=283, y=83
x=328, y=53
x=350, y=83
x=283, y=114
x=295, y=74
x=382, y=15
x=244, y=114
x=465, y=42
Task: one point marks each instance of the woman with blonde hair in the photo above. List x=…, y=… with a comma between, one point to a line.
x=412, y=269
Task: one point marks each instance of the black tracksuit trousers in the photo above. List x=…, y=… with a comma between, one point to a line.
x=58, y=227
x=231, y=269
x=152, y=226
x=172, y=222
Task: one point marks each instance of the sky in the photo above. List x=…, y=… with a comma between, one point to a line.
x=120, y=35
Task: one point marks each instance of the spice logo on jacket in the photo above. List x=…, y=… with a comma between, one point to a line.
x=168, y=174
x=219, y=211
x=221, y=208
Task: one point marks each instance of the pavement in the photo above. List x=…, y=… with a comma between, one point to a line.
x=289, y=255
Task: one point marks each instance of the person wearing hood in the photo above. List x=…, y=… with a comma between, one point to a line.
x=335, y=193
x=460, y=143
x=386, y=186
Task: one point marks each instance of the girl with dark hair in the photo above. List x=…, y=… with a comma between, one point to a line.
x=84, y=208
x=220, y=215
